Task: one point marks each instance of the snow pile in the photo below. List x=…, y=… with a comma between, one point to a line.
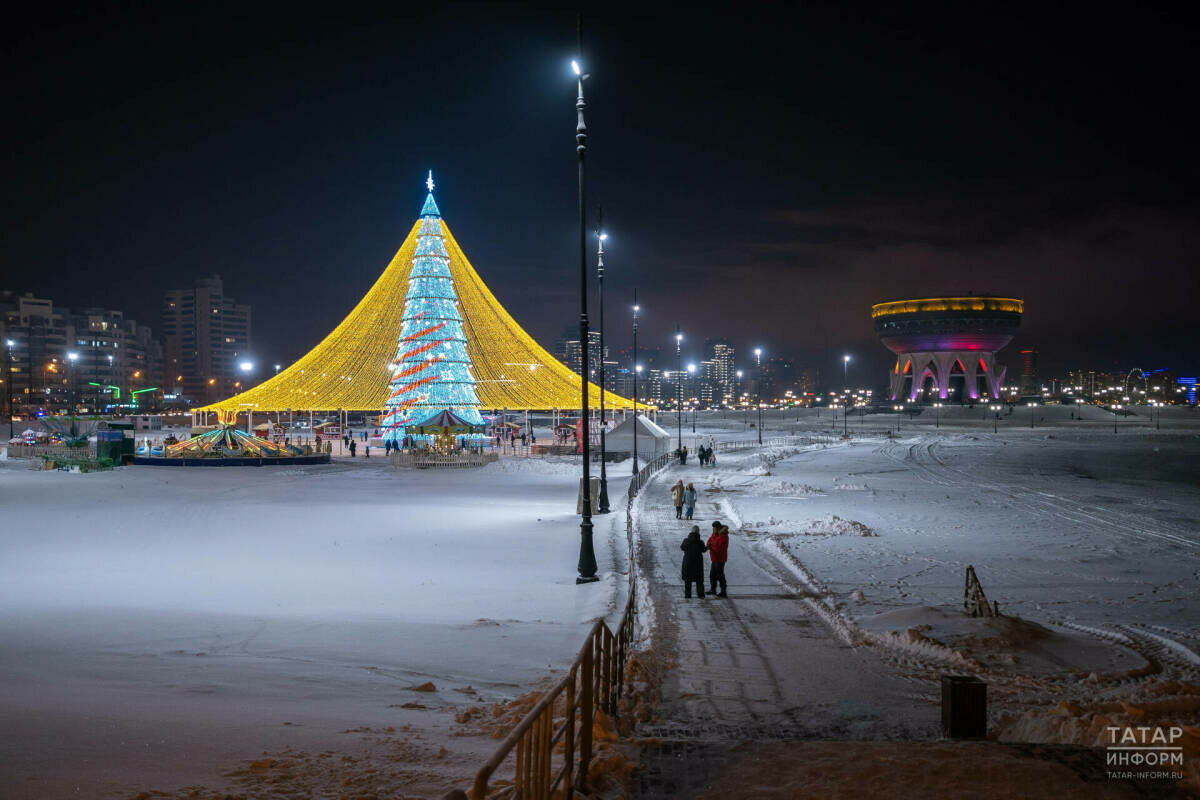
x=833, y=525
x=790, y=489
x=851, y=487
x=1088, y=725
x=538, y=466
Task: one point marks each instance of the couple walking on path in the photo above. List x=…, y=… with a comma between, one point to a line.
x=684, y=498
x=694, y=549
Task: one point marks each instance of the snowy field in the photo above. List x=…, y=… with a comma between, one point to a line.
x=171, y=628
x=160, y=626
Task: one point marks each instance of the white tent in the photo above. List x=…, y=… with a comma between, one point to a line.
x=652, y=440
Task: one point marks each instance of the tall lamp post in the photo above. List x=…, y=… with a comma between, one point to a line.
x=636, y=369
x=995, y=409
x=8, y=381
x=846, y=371
x=73, y=358
x=247, y=367
x=692, y=384
x=587, y=554
x=678, y=390
x=600, y=237
x=1031, y=407
x=745, y=413
x=937, y=415
x=758, y=389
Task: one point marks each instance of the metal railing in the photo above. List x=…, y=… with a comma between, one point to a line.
x=52, y=450
x=595, y=682
x=567, y=712
x=418, y=459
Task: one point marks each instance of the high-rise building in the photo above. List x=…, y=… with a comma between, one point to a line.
x=117, y=362
x=723, y=371
x=205, y=334
x=1029, y=373
x=574, y=355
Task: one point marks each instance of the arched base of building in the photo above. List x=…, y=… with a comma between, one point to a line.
x=980, y=376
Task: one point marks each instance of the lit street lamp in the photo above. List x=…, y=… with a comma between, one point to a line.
x=600, y=238
x=678, y=390
x=636, y=369
x=846, y=370
x=996, y=419
x=691, y=374
x=1032, y=406
x=1115, y=408
x=745, y=412
x=587, y=553
x=8, y=381
x=899, y=410
x=937, y=415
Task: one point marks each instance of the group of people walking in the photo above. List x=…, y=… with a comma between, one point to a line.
x=684, y=499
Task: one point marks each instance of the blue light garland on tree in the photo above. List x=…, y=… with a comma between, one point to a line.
x=432, y=370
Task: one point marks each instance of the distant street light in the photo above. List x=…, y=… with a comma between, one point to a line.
x=637, y=368
x=1032, y=406
x=601, y=237
x=277, y=368
x=1116, y=408
x=73, y=357
x=937, y=415
x=679, y=389
x=691, y=377
x=8, y=381
x=846, y=371
x=996, y=418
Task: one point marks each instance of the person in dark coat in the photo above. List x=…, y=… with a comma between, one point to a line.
x=693, y=548
x=353, y=448
x=718, y=551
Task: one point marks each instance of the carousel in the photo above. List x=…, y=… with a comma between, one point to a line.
x=226, y=446
x=443, y=440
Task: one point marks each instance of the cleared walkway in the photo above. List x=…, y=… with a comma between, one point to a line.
x=758, y=666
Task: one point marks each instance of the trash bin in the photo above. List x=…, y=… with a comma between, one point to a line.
x=964, y=707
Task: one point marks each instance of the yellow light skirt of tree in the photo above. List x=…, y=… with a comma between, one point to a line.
x=351, y=367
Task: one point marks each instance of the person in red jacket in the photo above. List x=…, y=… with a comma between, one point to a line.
x=718, y=551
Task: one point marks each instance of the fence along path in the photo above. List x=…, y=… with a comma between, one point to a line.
x=595, y=680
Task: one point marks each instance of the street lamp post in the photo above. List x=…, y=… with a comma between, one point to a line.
x=73, y=357
x=636, y=370
x=587, y=554
x=937, y=415
x=8, y=380
x=691, y=373
x=1116, y=408
x=995, y=417
x=745, y=413
x=678, y=390
x=1031, y=407
x=600, y=237
x=846, y=371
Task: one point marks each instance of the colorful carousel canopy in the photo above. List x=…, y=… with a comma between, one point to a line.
x=444, y=422
x=353, y=366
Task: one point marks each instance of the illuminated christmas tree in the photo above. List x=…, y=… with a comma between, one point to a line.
x=432, y=369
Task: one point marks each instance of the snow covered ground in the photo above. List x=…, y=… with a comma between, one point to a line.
x=159, y=627
x=167, y=628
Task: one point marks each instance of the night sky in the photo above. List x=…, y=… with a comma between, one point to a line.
x=766, y=173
